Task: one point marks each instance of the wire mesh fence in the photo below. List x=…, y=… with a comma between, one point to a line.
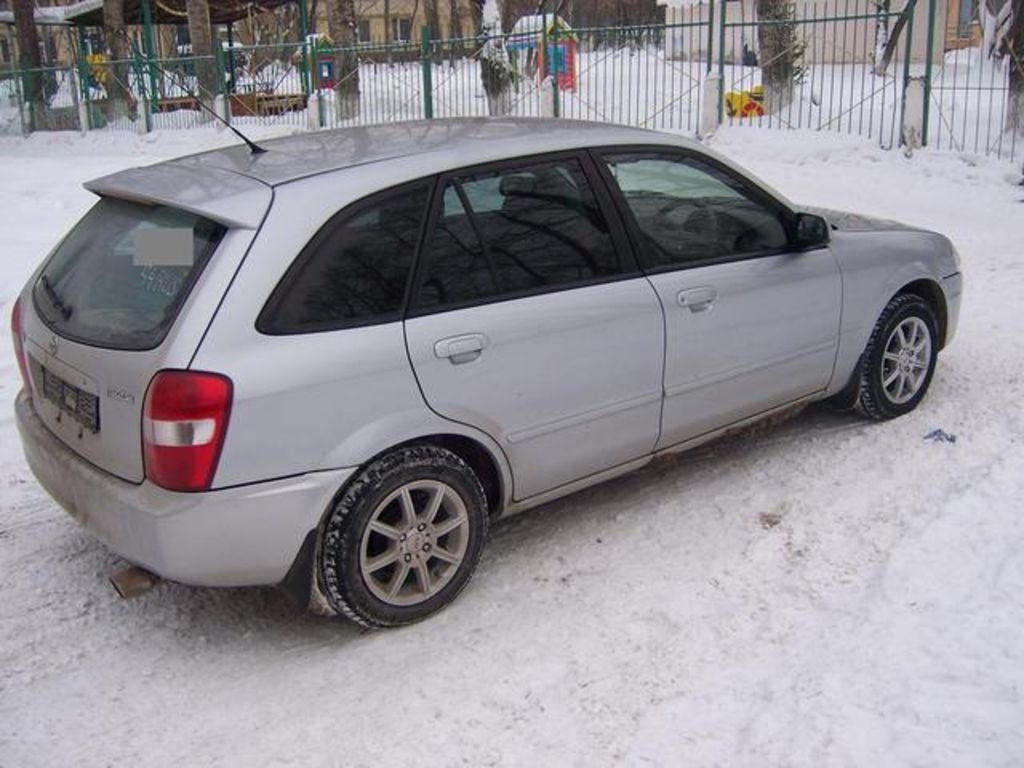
x=831, y=79
x=828, y=65
x=973, y=107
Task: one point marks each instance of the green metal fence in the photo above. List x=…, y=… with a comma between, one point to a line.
x=860, y=70
x=845, y=66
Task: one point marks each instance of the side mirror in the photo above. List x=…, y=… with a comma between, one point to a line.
x=811, y=230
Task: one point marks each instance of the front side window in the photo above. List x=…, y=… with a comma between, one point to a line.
x=354, y=271
x=524, y=229
x=689, y=211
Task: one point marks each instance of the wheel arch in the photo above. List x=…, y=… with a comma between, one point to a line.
x=931, y=292
x=494, y=475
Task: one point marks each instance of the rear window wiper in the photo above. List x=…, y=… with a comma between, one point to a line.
x=54, y=297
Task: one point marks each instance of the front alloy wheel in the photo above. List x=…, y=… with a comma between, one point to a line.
x=897, y=365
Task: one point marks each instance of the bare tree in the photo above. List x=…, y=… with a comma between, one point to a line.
x=341, y=25
x=1002, y=24
x=433, y=18
x=777, y=43
x=1013, y=48
x=200, y=33
x=28, y=52
x=454, y=21
x=116, y=80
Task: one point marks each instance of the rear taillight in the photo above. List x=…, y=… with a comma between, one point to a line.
x=183, y=426
x=19, y=344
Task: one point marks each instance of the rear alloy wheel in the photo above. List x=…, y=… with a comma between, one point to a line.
x=897, y=366
x=404, y=538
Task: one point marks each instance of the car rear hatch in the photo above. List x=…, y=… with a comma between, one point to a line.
x=130, y=291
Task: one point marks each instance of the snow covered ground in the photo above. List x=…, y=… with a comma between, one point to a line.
x=824, y=592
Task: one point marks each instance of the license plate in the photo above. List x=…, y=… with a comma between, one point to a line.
x=79, y=405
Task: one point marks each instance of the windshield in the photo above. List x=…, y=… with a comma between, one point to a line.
x=120, y=277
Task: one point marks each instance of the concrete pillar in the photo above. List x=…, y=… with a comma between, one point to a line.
x=220, y=106
x=141, y=123
x=913, y=114
x=710, y=114
x=547, y=98
x=313, y=117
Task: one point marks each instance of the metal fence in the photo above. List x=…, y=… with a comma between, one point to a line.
x=846, y=66
x=834, y=84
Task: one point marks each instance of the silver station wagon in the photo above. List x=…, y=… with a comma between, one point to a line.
x=329, y=365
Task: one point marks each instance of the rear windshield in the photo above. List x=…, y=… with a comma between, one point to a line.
x=120, y=277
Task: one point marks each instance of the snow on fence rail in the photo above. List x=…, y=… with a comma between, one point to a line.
x=847, y=67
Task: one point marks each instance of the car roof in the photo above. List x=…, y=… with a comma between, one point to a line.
x=234, y=186
x=476, y=140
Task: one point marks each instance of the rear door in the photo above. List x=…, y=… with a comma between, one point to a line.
x=751, y=323
x=98, y=319
x=531, y=322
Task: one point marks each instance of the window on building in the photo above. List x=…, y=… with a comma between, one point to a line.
x=363, y=30
x=401, y=29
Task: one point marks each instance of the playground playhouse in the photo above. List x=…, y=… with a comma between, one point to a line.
x=557, y=59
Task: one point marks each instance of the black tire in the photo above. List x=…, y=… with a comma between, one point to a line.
x=348, y=545
x=875, y=400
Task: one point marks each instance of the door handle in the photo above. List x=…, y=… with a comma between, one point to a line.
x=697, y=299
x=461, y=349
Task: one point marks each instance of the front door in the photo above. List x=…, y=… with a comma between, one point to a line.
x=751, y=323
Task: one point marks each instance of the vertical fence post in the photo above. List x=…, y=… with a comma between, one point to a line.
x=140, y=83
x=556, y=107
x=223, y=108
x=721, y=62
x=428, y=72
x=928, y=71
x=711, y=33
x=23, y=118
x=303, y=61
x=908, y=52
x=84, y=78
x=147, y=41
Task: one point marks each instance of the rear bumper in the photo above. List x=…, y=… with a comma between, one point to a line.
x=247, y=535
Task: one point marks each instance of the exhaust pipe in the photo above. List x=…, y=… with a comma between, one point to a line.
x=133, y=581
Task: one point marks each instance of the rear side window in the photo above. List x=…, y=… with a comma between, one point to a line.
x=522, y=229
x=121, y=276
x=354, y=271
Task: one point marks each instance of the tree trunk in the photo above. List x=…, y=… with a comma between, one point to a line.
x=1014, y=43
x=777, y=43
x=881, y=30
x=341, y=25
x=434, y=22
x=200, y=33
x=454, y=30
x=116, y=80
x=496, y=72
x=454, y=20
x=28, y=53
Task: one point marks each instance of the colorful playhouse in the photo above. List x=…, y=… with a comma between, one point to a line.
x=559, y=59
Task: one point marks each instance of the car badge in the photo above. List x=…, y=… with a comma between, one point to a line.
x=53, y=346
